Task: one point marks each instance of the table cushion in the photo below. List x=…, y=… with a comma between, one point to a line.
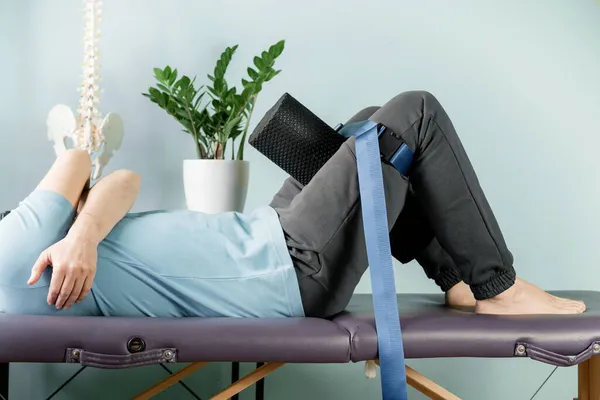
x=432, y=330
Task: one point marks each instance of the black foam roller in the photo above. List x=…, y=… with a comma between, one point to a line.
x=295, y=139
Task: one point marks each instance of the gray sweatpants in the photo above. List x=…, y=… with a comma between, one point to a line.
x=439, y=214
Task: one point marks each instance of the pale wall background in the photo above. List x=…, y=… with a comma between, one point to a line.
x=520, y=79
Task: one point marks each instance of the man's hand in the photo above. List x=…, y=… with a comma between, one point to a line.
x=73, y=261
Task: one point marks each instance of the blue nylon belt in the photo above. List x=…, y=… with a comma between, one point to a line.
x=379, y=254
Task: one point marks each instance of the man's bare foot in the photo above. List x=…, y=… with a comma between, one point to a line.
x=460, y=295
x=525, y=298
x=559, y=299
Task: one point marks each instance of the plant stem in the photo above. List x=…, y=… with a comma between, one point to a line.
x=219, y=151
x=199, y=150
x=240, y=155
x=195, y=134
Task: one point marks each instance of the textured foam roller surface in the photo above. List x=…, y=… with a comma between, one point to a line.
x=295, y=139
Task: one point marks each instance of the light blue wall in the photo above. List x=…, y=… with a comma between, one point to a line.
x=520, y=79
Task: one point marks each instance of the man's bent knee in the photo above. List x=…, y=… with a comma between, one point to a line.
x=417, y=101
x=76, y=159
x=68, y=175
x=363, y=114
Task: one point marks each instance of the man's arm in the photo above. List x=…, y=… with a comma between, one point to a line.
x=105, y=205
x=74, y=258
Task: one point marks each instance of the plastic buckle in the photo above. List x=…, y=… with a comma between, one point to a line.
x=401, y=158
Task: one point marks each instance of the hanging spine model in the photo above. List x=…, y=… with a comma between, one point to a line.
x=87, y=130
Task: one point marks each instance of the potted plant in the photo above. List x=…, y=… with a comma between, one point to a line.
x=217, y=117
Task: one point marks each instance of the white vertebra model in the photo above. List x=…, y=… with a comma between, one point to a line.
x=88, y=130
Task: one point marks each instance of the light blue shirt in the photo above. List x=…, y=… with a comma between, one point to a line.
x=185, y=263
x=158, y=263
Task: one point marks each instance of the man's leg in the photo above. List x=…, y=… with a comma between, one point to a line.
x=68, y=175
x=412, y=238
x=323, y=227
x=41, y=220
x=448, y=190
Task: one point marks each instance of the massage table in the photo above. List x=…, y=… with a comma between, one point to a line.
x=429, y=330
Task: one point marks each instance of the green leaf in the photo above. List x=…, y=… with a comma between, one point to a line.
x=212, y=78
x=259, y=63
x=230, y=94
x=173, y=77
x=267, y=59
x=158, y=74
x=189, y=93
x=223, y=61
x=237, y=129
x=172, y=106
x=192, y=86
x=156, y=94
x=276, y=50
x=219, y=71
x=184, y=82
x=188, y=126
x=198, y=100
x=225, y=89
x=219, y=86
x=248, y=92
x=152, y=99
x=178, y=85
x=229, y=126
x=252, y=73
x=272, y=74
x=182, y=113
x=211, y=90
x=160, y=101
x=162, y=87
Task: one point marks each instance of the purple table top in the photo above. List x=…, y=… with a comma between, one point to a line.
x=429, y=329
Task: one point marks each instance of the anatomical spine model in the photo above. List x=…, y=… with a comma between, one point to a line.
x=87, y=130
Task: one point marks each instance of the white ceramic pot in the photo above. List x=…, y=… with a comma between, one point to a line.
x=215, y=186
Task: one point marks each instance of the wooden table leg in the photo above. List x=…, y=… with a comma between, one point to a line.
x=589, y=379
x=594, y=378
x=247, y=381
x=583, y=381
x=170, y=381
x=426, y=386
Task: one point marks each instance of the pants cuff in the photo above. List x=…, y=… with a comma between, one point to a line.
x=494, y=286
x=447, y=278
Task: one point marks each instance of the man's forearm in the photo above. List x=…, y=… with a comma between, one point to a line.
x=107, y=203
